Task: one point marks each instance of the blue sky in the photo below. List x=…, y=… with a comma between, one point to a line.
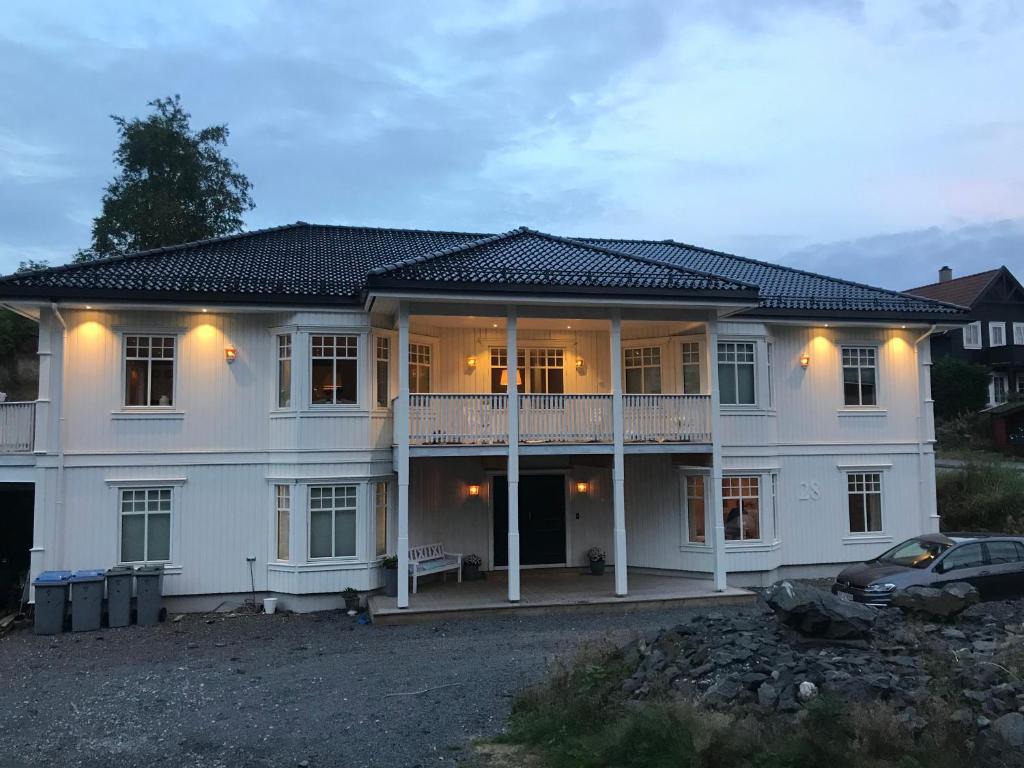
x=873, y=140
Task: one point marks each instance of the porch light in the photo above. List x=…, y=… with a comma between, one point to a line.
x=805, y=360
x=582, y=486
x=230, y=353
x=579, y=363
x=473, y=489
x=471, y=362
x=504, y=378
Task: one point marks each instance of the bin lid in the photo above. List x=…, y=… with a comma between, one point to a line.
x=120, y=570
x=149, y=570
x=92, y=574
x=52, y=577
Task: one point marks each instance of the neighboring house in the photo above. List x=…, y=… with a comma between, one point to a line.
x=994, y=336
x=317, y=397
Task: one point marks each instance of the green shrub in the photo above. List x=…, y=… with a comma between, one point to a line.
x=982, y=496
x=964, y=433
x=958, y=387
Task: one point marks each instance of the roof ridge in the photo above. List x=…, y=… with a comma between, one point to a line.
x=431, y=255
x=992, y=272
x=397, y=229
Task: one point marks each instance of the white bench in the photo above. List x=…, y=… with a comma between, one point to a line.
x=431, y=558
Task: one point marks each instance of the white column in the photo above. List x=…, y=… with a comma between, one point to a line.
x=618, y=460
x=402, y=468
x=512, y=361
x=713, y=494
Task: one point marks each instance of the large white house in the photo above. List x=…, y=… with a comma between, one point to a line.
x=289, y=406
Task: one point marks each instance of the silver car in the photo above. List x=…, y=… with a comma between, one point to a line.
x=993, y=563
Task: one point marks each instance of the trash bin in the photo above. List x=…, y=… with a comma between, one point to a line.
x=148, y=594
x=119, y=595
x=86, y=600
x=51, y=601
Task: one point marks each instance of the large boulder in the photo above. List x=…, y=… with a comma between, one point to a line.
x=943, y=603
x=817, y=613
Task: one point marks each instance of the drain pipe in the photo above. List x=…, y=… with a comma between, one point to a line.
x=924, y=391
x=59, y=503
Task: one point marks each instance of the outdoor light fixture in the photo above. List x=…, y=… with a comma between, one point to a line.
x=579, y=362
x=230, y=353
x=582, y=486
x=471, y=362
x=473, y=489
x=805, y=360
x=204, y=309
x=504, y=378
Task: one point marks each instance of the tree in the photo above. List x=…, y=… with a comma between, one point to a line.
x=31, y=265
x=174, y=185
x=958, y=387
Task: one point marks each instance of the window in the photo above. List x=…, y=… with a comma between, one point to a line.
x=499, y=362
x=972, y=336
x=997, y=334
x=770, y=351
x=998, y=388
x=864, y=493
x=1020, y=383
x=149, y=371
x=540, y=371
x=695, y=510
x=335, y=370
x=332, y=521
x=736, y=372
x=642, y=370
x=1018, y=333
x=691, y=367
x=741, y=508
x=145, y=525
x=284, y=370
x=859, y=376
x=282, y=517
x=419, y=368
x=380, y=508
x=383, y=371
x=1003, y=552
x=966, y=556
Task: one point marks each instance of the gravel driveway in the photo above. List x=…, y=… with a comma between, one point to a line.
x=282, y=690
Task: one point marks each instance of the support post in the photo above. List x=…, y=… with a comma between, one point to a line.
x=713, y=494
x=618, y=460
x=512, y=390
x=402, y=432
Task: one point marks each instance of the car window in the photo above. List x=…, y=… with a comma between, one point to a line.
x=966, y=556
x=1001, y=552
x=915, y=553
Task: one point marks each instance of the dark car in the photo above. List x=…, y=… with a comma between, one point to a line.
x=993, y=563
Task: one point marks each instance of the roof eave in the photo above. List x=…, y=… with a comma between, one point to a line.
x=15, y=293
x=851, y=314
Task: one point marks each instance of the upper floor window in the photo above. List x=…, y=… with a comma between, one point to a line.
x=860, y=367
x=539, y=370
x=972, y=336
x=864, y=493
x=736, y=372
x=998, y=388
x=332, y=521
x=499, y=367
x=145, y=523
x=419, y=368
x=642, y=366
x=1018, y=333
x=383, y=371
x=741, y=506
x=149, y=370
x=335, y=370
x=997, y=334
x=284, y=370
x=690, y=352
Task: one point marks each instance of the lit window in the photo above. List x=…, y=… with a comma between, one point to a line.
x=972, y=336
x=283, y=510
x=691, y=367
x=145, y=525
x=332, y=521
x=419, y=368
x=540, y=371
x=859, y=376
x=997, y=334
x=149, y=371
x=741, y=505
x=335, y=370
x=642, y=367
x=383, y=371
x=380, y=506
x=864, y=490
x=284, y=370
x=736, y=373
x=695, y=510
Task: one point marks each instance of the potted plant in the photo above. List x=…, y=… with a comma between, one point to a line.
x=390, y=565
x=596, y=558
x=471, y=567
x=351, y=599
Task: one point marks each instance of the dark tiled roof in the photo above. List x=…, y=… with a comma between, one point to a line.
x=335, y=264
x=783, y=289
x=963, y=290
x=525, y=257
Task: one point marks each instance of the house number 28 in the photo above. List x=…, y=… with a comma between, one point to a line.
x=810, y=491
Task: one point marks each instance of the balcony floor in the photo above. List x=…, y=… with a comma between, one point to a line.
x=549, y=589
x=551, y=449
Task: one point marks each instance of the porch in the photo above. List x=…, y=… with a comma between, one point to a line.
x=556, y=588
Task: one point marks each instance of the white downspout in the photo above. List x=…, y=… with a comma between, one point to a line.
x=59, y=502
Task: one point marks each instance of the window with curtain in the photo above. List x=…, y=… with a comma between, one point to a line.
x=332, y=521
x=334, y=370
x=695, y=510
x=419, y=368
x=741, y=508
x=380, y=508
x=972, y=336
x=283, y=513
x=997, y=334
x=690, y=352
x=737, y=373
x=642, y=370
x=145, y=525
x=864, y=493
x=383, y=347
x=149, y=371
x=860, y=376
x=284, y=370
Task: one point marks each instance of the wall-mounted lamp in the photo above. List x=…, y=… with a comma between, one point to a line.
x=582, y=486
x=504, y=378
x=471, y=362
x=579, y=363
x=473, y=489
x=805, y=360
x=230, y=353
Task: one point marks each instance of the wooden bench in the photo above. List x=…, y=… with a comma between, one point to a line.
x=431, y=558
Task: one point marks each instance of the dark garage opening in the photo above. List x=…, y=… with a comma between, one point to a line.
x=16, y=509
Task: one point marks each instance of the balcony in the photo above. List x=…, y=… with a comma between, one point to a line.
x=17, y=427
x=482, y=419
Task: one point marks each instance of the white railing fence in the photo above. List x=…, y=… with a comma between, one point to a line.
x=442, y=419
x=666, y=418
x=17, y=427
x=565, y=418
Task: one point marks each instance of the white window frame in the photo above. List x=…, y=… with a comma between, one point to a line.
x=858, y=348
x=378, y=339
x=284, y=345
x=701, y=352
x=972, y=335
x=685, y=478
x=1018, y=334
x=848, y=476
x=498, y=353
x=736, y=343
x=375, y=489
x=357, y=508
x=993, y=327
x=359, y=358
x=741, y=476
x=644, y=367
x=992, y=400
x=416, y=352
x=171, y=527
x=283, y=504
x=175, y=370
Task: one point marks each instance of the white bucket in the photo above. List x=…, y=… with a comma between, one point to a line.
x=269, y=605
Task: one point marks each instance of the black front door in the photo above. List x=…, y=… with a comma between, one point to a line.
x=541, y=519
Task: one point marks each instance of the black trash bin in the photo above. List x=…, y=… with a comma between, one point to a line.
x=119, y=595
x=148, y=594
x=51, y=601
x=86, y=600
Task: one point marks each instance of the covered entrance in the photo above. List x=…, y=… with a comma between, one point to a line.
x=541, y=519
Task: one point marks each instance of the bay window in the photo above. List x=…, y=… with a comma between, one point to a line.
x=741, y=506
x=282, y=519
x=335, y=370
x=381, y=497
x=284, y=370
x=332, y=521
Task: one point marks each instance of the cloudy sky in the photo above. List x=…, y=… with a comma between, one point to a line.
x=872, y=139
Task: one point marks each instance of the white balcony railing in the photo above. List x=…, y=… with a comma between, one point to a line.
x=474, y=419
x=17, y=427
